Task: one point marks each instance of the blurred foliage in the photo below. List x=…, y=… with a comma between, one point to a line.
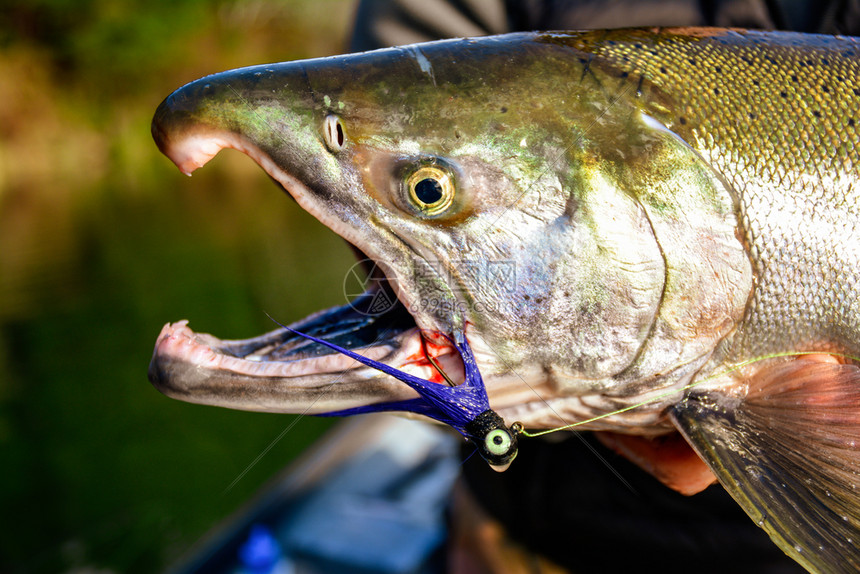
x=102, y=241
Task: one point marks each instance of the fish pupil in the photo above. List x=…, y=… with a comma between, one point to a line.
x=428, y=190
x=497, y=439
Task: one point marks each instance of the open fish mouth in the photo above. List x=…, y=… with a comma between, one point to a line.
x=281, y=371
x=347, y=326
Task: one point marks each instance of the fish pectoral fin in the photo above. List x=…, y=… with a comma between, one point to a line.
x=667, y=458
x=788, y=453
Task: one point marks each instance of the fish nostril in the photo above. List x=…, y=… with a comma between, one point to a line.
x=333, y=133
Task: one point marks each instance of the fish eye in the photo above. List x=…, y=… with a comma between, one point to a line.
x=431, y=189
x=498, y=442
x=333, y=133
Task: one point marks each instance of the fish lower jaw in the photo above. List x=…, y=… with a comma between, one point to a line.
x=200, y=368
x=178, y=342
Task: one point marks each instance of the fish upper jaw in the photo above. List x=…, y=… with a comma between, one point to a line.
x=191, y=129
x=193, y=151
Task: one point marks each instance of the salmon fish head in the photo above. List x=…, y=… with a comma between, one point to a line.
x=499, y=185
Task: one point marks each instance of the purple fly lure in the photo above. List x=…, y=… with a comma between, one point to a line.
x=464, y=407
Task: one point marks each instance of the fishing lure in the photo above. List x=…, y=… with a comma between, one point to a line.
x=464, y=407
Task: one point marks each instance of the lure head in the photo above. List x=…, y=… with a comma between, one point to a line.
x=496, y=443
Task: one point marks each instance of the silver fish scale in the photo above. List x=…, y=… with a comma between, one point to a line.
x=806, y=260
x=780, y=123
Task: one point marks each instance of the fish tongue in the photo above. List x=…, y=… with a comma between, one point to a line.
x=789, y=454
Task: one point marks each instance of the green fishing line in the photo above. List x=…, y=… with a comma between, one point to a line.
x=684, y=388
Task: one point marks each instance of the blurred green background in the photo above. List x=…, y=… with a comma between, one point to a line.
x=102, y=241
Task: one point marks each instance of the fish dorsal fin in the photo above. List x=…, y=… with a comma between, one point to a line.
x=789, y=453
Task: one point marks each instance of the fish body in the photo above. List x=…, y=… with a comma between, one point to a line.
x=637, y=228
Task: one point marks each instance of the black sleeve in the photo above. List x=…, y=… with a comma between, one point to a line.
x=381, y=23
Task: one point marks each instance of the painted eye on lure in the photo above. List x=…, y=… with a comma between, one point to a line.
x=431, y=189
x=333, y=133
x=497, y=444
